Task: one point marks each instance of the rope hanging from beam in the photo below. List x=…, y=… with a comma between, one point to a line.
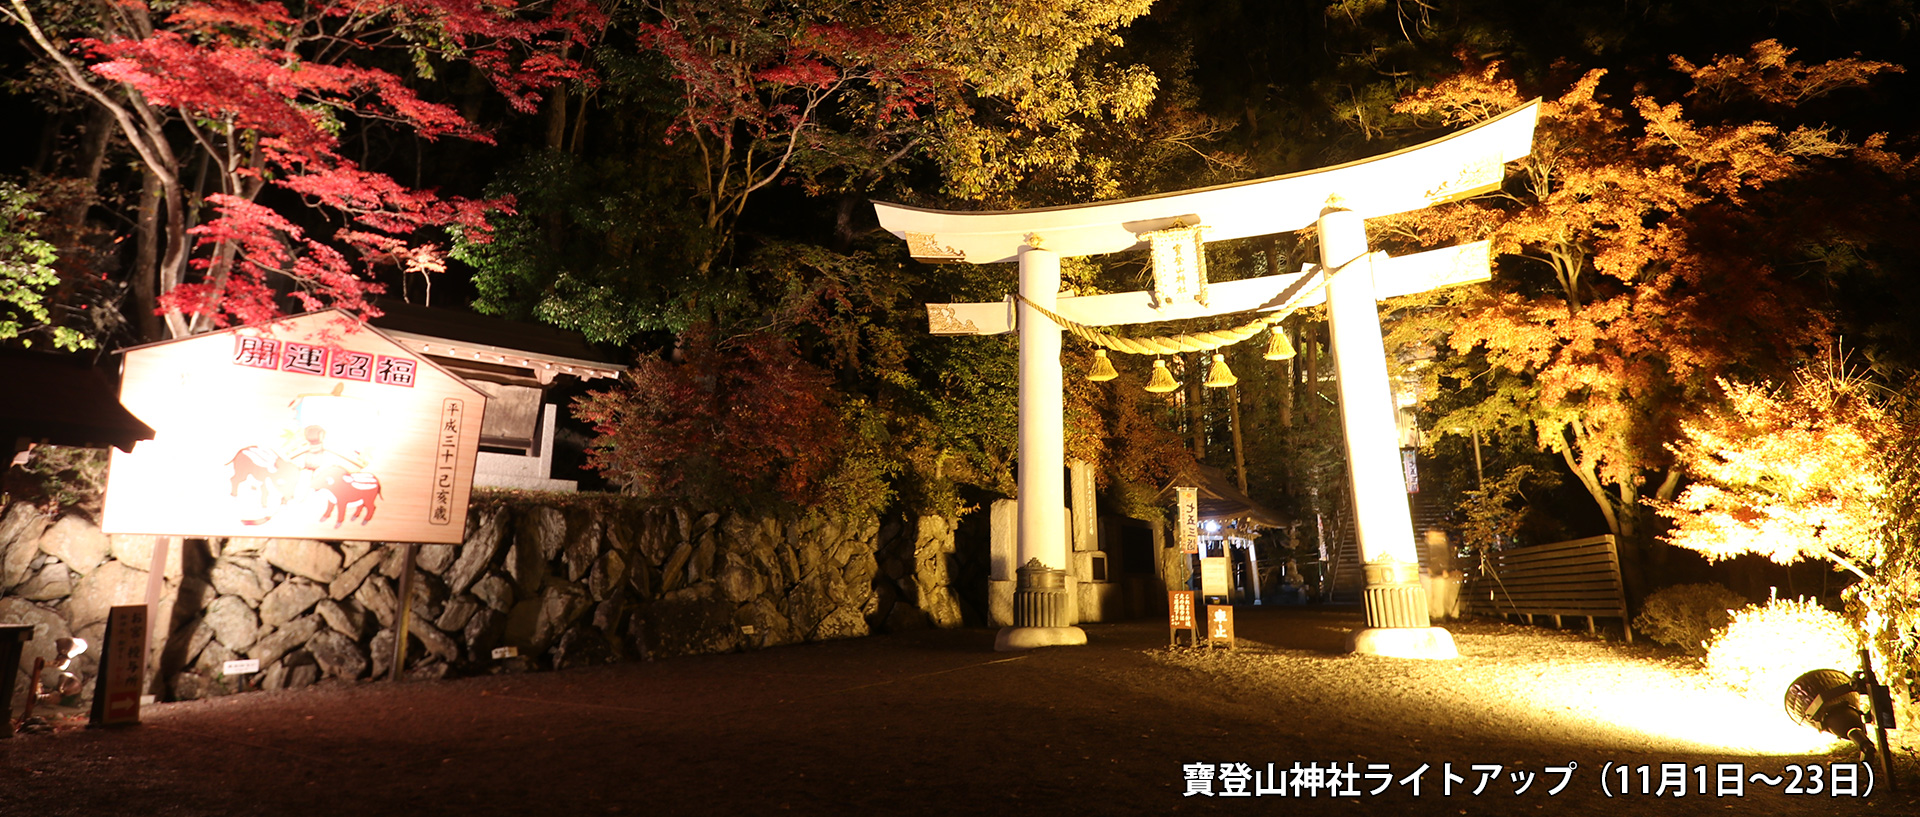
x=1193, y=342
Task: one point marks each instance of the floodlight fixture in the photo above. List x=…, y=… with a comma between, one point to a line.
x=1825, y=699
x=1831, y=701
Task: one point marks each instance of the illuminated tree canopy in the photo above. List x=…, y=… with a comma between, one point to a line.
x=1713, y=197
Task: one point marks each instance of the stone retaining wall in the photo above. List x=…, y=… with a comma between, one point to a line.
x=599, y=579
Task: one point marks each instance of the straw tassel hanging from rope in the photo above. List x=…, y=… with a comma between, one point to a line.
x=1162, y=381
x=1102, y=367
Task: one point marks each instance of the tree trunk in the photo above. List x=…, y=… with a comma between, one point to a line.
x=92, y=158
x=1196, y=415
x=173, y=266
x=1239, y=448
x=1623, y=516
x=1310, y=346
x=843, y=222
x=556, y=116
x=146, y=259
x=1288, y=376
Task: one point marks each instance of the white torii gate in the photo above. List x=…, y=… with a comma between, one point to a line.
x=1338, y=199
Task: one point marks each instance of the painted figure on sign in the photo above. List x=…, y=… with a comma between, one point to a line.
x=347, y=489
x=262, y=467
x=326, y=464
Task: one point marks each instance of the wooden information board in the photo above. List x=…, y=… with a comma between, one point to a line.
x=1214, y=573
x=1180, y=617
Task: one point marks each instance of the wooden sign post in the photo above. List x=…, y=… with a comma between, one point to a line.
x=1220, y=625
x=1180, y=617
x=123, y=666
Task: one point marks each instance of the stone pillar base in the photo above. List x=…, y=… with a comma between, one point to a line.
x=1403, y=642
x=1027, y=638
x=1395, y=605
x=1000, y=603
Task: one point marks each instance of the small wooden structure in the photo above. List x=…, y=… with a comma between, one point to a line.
x=1180, y=616
x=1580, y=577
x=525, y=371
x=1226, y=522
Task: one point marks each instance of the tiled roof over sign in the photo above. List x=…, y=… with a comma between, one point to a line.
x=464, y=336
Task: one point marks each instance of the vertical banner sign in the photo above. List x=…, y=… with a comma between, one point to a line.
x=1186, y=529
x=1220, y=625
x=1180, y=617
x=1213, y=576
x=1410, y=469
x=123, y=664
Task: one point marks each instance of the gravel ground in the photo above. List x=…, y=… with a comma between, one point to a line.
x=935, y=722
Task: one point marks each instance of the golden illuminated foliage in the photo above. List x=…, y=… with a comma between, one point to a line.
x=1822, y=469
x=1789, y=473
x=1765, y=647
x=1641, y=246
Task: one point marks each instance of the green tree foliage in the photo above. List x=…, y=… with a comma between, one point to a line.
x=27, y=275
x=726, y=130
x=1492, y=515
x=600, y=246
x=1041, y=83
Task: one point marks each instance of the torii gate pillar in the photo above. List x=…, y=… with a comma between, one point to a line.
x=1395, y=602
x=1043, y=519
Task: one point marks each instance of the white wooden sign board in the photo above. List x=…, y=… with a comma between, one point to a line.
x=300, y=429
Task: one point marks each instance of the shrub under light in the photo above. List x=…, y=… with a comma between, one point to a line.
x=1766, y=646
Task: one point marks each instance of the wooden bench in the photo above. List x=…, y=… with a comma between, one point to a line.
x=1575, y=578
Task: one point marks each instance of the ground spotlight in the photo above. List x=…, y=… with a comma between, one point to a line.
x=1825, y=699
x=1831, y=701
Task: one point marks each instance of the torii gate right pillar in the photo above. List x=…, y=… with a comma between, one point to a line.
x=1396, y=604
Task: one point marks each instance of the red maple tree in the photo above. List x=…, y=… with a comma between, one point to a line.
x=261, y=93
x=731, y=419
x=768, y=90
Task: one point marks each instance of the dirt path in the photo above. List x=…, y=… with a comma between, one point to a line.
x=938, y=723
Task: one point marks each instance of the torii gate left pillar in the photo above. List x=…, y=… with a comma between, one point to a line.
x=1042, y=518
